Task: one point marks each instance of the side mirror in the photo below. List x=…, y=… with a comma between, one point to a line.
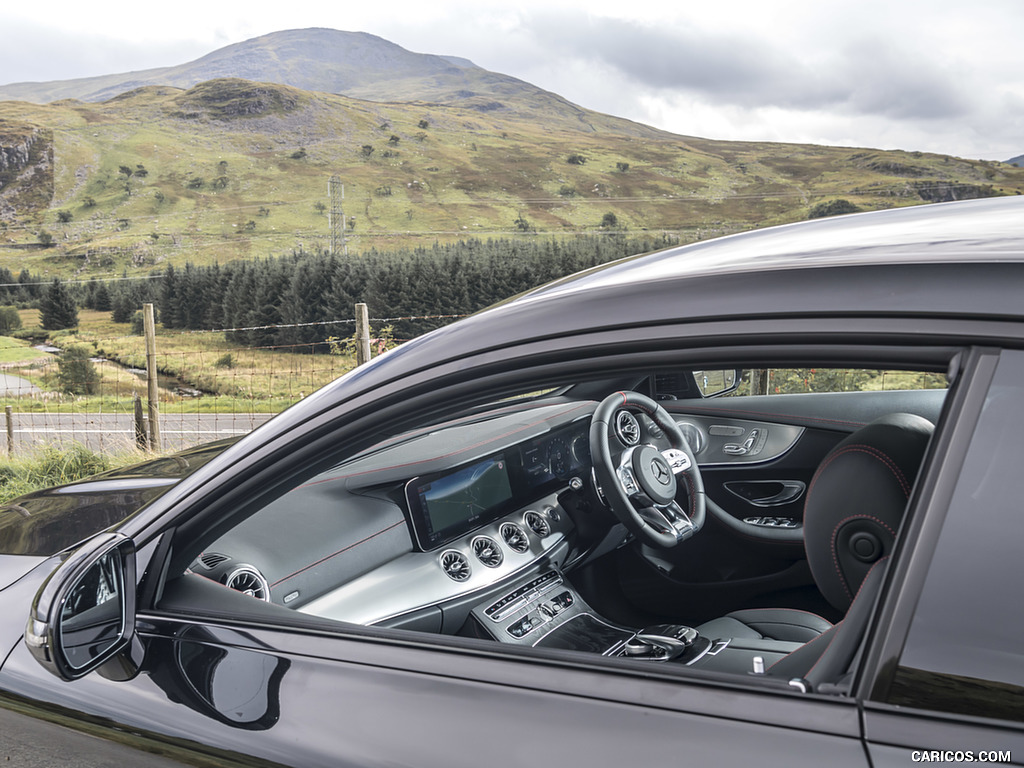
x=715, y=383
x=84, y=614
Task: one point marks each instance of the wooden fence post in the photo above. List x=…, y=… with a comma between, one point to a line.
x=153, y=391
x=9, y=412
x=141, y=439
x=362, y=334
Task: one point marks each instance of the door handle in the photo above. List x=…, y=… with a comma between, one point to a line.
x=767, y=493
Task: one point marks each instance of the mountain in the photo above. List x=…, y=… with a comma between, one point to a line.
x=1017, y=161
x=183, y=168
x=353, y=64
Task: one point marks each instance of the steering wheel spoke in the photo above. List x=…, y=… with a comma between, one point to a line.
x=677, y=459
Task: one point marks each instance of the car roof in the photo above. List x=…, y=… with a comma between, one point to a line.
x=990, y=230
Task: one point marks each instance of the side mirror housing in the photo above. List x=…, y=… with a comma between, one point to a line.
x=84, y=614
x=717, y=383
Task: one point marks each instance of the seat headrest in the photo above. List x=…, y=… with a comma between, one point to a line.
x=856, y=501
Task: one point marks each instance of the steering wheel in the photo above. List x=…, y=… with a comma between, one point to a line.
x=638, y=481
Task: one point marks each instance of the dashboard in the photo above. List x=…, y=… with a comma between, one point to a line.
x=419, y=531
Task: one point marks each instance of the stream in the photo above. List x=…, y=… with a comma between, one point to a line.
x=170, y=384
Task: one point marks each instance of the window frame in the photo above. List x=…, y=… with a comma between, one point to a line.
x=913, y=558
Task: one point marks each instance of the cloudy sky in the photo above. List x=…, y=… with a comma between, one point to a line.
x=934, y=75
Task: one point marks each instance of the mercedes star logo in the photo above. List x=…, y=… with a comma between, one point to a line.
x=661, y=472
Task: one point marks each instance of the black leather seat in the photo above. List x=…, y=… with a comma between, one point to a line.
x=855, y=504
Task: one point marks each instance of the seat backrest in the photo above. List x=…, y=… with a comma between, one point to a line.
x=857, y=499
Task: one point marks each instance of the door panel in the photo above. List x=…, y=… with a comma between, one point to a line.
x=318, y=700
x=897, y=738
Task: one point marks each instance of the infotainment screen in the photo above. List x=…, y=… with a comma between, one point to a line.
x=446, y=505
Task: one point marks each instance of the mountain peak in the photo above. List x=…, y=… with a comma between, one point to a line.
x=354, y=64
x=313, y=59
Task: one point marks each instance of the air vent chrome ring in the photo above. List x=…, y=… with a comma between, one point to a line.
x=537, y=523
x=248, y=580
x=515, y=537
x=487, y=551
x=627, y=428
x=455, y=565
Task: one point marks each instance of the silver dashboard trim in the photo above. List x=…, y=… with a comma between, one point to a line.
x=413, y=581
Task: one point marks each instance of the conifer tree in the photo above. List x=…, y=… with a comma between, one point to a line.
x=57, y=309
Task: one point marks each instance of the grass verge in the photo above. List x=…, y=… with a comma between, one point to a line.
x=55, y=465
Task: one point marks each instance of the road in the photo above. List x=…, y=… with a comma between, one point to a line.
x=110, y=432
x=15, y=385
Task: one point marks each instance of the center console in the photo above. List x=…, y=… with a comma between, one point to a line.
x=545, y=611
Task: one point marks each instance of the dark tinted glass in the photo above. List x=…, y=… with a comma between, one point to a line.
x=965, y=651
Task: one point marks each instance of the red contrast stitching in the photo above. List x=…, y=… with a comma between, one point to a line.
x=690, y=494
x=872, y=452
x=836, y=633
x=763, y=415
x=335, y=554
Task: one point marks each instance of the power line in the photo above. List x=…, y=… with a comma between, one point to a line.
x=80, y=282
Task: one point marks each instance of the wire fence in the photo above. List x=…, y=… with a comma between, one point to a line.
x=93, y=389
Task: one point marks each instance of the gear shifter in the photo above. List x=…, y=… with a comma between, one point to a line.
x=662, y=642
x=674, y=638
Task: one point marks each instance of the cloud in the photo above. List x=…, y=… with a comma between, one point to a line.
x=32, y=52
x=873, y=76
x=938, y=75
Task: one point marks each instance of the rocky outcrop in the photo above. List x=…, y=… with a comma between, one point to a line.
x=233, y=98
x=26, y=168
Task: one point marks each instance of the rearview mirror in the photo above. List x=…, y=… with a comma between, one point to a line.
x=85, y=611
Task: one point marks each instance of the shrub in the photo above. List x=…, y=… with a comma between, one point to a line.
x=833, y=208
x=10, y=320
x=76, y=373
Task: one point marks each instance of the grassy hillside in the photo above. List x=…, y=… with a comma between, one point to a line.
x=232, y=169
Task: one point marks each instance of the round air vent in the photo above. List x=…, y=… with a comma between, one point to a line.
x=627, y=428
x=515, y=537
x=537, y=523
x=248, y=580
x=487, y=551
x=455, y=564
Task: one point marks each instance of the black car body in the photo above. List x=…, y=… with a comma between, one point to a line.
x=464, y=553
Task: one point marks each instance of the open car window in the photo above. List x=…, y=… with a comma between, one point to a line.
x=536, y=522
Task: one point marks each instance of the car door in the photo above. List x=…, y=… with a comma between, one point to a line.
x=237, y=681
x=228, y=679
x=945, y=683
x=246, y=689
